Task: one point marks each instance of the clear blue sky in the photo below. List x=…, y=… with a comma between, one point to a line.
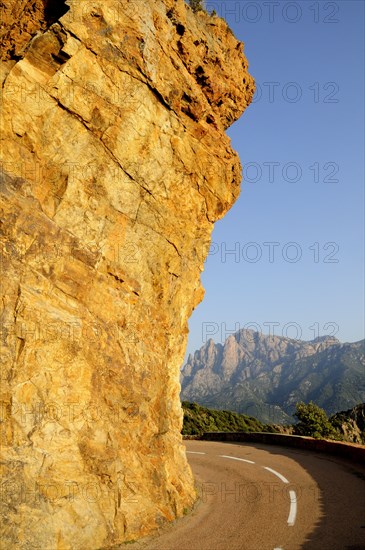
x=301, y=144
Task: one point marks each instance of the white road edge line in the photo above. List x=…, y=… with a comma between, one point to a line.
x=195, y=453
x=276, y=474
x=293, y=508
x=235, y=458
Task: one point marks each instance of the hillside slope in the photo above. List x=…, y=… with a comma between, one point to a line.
x=198, y=420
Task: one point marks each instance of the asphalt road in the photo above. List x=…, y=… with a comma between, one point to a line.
x=267, y=497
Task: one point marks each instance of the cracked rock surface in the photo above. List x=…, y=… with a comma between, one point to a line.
x=114, y=167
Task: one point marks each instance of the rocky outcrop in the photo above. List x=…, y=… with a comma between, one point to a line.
x=351, y=424
x=265, y=376
x=21, y=21
x=115, y=166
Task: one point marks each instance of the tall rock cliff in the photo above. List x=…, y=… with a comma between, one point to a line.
x=115, y=166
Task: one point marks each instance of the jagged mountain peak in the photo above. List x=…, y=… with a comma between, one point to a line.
x=272, y=373
x=330, y=339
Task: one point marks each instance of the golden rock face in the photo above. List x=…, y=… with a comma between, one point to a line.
x=114, y=167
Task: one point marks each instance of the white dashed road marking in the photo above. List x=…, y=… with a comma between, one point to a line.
x=235, y=458
x=293, y=508
x=277, y=474
x=195, y=453
x=292, y=494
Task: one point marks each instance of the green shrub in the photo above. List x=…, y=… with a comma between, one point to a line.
x=313, y=422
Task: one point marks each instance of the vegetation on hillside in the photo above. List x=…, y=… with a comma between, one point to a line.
x=198, y=419
x=312, y=422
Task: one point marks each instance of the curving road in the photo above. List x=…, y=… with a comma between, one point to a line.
x=267, y=497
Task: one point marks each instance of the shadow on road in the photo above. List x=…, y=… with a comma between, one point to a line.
x=341, y=497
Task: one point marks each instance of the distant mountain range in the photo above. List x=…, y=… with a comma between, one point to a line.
x=265, y=376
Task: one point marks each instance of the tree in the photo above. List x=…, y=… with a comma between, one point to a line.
x=313, y=422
